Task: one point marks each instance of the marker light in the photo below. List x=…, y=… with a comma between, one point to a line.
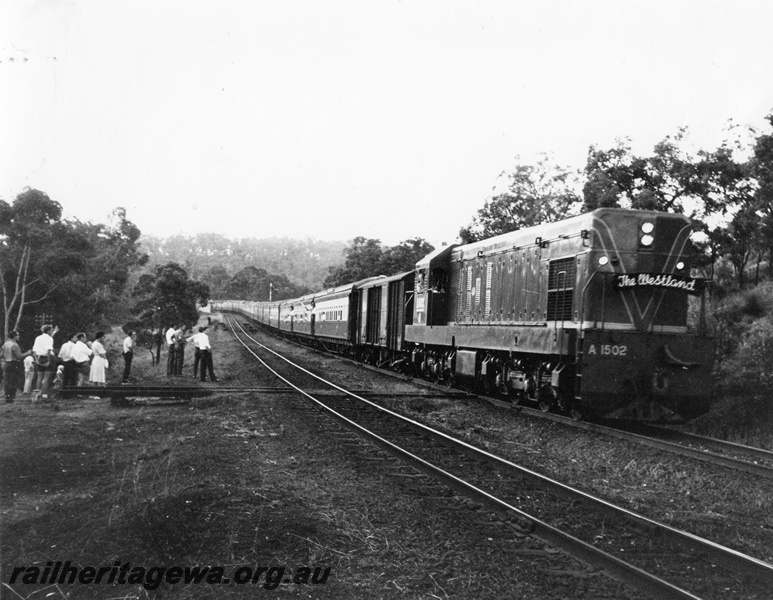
x=603, y=260
x=647, y=227
x=647, y=239
x=680, y=265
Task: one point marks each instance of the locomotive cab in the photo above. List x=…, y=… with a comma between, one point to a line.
x=431, y=288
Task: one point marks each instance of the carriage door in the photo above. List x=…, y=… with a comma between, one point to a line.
x=373, y=315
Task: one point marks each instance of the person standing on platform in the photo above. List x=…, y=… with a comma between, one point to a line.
x=99, y=364
x=43, y=352
x=12, y=357
x=68, y=362
x=172, y=348
x=128, y=355
x=206, y=357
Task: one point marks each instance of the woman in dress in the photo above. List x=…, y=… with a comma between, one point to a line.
x=99, y=362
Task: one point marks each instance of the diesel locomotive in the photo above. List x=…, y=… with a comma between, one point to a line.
x=588, y=315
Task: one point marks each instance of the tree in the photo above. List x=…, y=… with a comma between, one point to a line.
x=534, y=194
x=168, y=297
x=404, y=256
x=663, y=181
x=305, y=262
x=216, y=278
x=363, y=259
x=26, y=233
x=728, y=191
x=762, y=169
x=73, y=270
x=366, y=258
x=110, y=253
x=253, y=283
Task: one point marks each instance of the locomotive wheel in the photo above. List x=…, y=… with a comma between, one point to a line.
x=449, y=381
x=575, y=412
x=515, y=396
x=547, y=398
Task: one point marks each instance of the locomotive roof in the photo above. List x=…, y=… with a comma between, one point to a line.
x=573, y=225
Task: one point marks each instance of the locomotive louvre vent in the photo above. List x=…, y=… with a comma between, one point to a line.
x=561, y=279
x=487, y=308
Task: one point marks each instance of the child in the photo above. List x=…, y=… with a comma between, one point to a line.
x=29, y=374
x=59, y=378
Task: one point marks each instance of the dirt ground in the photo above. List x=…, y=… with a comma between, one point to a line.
x=241, y=481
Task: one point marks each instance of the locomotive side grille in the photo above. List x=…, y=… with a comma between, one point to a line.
x=468, y=304
x=561, y=278
x=487, y=309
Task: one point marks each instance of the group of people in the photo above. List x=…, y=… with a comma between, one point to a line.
x=77, y=360
x=176, y=338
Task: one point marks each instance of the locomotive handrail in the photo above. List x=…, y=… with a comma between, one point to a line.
x=673, y=360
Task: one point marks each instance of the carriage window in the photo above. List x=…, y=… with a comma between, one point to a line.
x=561, y=278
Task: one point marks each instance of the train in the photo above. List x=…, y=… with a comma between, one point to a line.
x=598, y=315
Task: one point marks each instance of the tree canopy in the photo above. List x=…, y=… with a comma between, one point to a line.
x=71, y=270
x=253, y=283
x=367, y=258
x=168, y=297
x=533, y=194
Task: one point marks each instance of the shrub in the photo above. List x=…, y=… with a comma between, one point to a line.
x=736, y=314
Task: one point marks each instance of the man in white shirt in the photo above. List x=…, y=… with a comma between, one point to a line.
x=128, y=355
x=68, y=362
x=81, y=354
x=43, y=352
x=172, y=347
x=206, y=356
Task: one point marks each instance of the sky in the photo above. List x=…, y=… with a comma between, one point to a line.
x=332, y=119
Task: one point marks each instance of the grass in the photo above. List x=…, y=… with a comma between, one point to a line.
x=237, y=480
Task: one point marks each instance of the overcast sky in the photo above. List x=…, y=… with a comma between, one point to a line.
x=338, y=118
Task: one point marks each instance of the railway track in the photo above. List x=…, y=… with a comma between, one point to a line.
x=756, y=461
x=649, y=556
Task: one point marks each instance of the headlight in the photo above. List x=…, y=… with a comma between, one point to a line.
x=647, y=239
x=603, y=260
x=647, y=227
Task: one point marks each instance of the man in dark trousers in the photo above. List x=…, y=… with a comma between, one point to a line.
x=194, y=339
x=14, y=370
x=171, y=344
x=206, y=356
x=128, y=355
